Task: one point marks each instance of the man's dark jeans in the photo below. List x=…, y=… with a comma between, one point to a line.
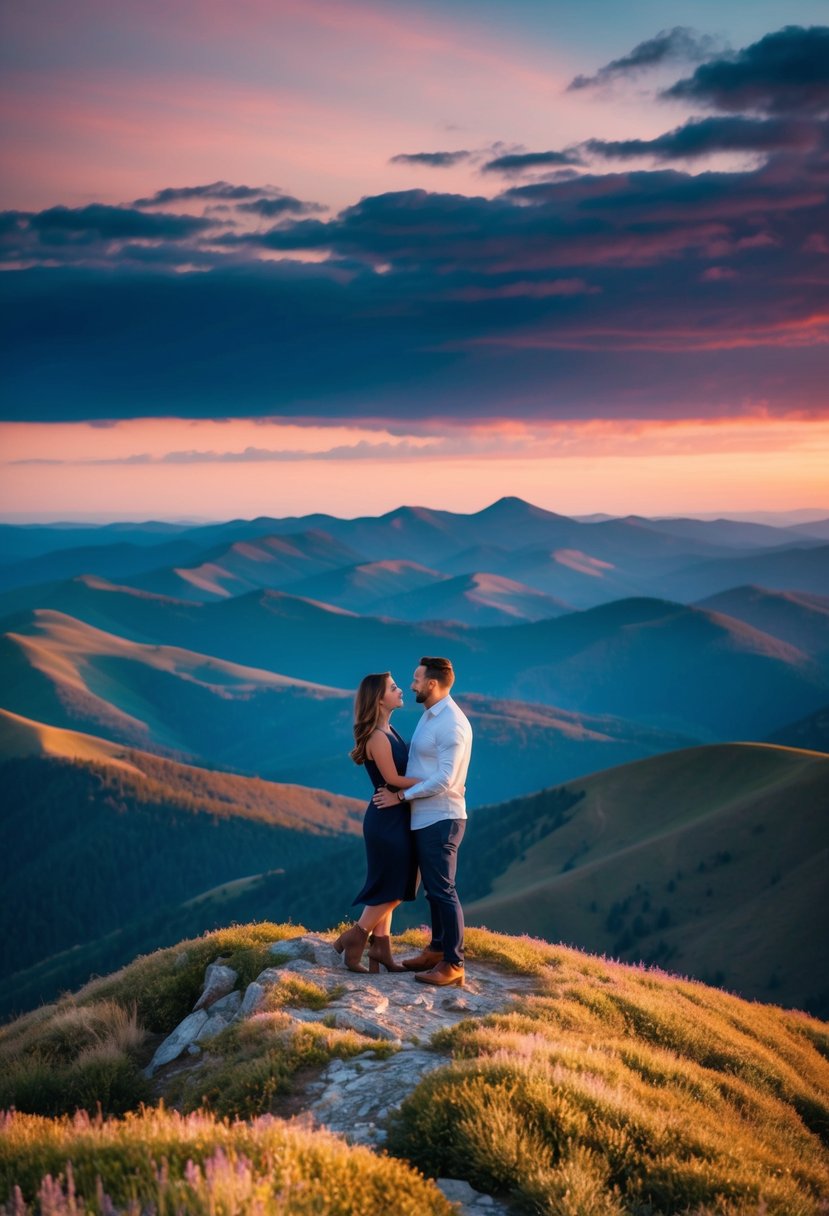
x=437, y=855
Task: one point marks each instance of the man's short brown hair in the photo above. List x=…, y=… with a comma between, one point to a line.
x=439, y=669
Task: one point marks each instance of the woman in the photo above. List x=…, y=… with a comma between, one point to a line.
x=392, y=867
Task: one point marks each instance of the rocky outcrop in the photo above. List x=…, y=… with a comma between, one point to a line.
x=355, y=1096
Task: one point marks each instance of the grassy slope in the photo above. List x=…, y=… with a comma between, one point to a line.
x=164, y=697
x=614, y=1090
x=680, y=857
x=202, y=791
x=102, y=844
x=674, y=859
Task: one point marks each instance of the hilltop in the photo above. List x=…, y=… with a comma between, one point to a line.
x=556, y=1081
x=712, y=860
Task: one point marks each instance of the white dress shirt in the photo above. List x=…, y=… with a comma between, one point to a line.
x=439, y=755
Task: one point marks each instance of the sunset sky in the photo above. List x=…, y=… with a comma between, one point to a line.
x=283, y=256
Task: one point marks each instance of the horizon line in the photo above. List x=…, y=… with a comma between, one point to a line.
x=101, y=519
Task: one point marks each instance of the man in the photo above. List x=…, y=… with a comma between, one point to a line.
x=439, y=755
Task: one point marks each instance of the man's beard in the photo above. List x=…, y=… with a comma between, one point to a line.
x=420, y=697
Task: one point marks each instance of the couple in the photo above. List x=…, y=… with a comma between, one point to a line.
x=415, y=821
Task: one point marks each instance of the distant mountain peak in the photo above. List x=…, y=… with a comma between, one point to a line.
x=512, y=506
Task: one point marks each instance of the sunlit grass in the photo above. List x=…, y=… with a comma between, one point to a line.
x=88, y=1049
x=610, y=1091
x=618, y=1090
x=162, y=1161
x=298, y=993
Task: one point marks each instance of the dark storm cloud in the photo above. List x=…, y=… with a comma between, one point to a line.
x=592, y=296
x=520, y=162
x=675, y=45
x=702, y=137
x=433, y=160
x=786, y=72
x=643, y=294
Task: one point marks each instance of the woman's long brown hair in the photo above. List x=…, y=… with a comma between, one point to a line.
x=367, y=712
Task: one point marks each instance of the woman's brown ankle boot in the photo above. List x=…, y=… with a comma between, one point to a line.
x=353, y=943
x=379, y=952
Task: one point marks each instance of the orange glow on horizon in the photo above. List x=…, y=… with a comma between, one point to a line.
x=220, y=469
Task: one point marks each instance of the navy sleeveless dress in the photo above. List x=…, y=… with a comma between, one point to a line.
x=390, y=854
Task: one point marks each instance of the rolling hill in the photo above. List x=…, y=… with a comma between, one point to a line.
x=191, y=706
x=568, y=574
x=712, y=861
x=248, y=565
x=793, y=616
x=94, y=837
x=666, y=664
x=791, y=569
x=115, y=561
x=358, y=588
x=69, y=674
x=473, y=599
x=675, y=668
x=580, y=562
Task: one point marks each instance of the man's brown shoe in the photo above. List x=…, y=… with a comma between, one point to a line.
x=442, y=975
x=425, y=961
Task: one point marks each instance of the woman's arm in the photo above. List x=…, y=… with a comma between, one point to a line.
x=378, y=749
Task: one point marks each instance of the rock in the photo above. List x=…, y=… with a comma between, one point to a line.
x=297, y=966
x=313, y=949
x=457, y=1003
x=194, y=1050
x=269, y=976
x=345, y=1019
x=184, y=1034
x=457, y=1191
x=218, y=980
x=214, y=1025
x=470, y=1201
x=227, y=1006
x=253, y=998
x=222, y=1013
